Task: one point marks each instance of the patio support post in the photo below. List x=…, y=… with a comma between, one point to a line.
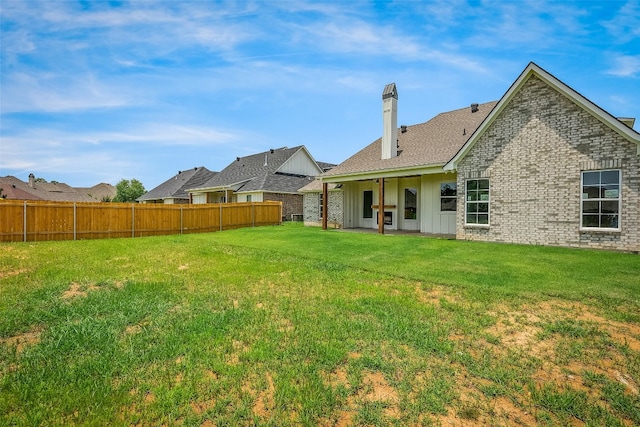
x=325, y=204
x=381, y=206
x=24, y=221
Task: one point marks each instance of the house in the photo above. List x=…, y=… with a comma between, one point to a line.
x=543, y=165
x=274, y=175
x=16, y=189
x=174, y=190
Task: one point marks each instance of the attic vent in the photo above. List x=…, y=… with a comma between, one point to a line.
x=474, y=107
x=403, y=128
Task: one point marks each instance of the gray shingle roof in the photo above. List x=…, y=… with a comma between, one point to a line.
x=257, y=172
x=176, y=187
x=431, y=143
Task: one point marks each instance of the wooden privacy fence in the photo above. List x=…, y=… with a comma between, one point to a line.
x=29, y=221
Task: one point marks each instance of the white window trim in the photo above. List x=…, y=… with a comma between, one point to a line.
x=474, y=225
x=602, y=229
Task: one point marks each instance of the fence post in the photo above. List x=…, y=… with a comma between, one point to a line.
x=74, y=221
x=220, y=216
x=180, y=219
x=253, y=214
x=24, y=221
x=133, y=220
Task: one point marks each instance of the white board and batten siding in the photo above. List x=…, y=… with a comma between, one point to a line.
x=433, y=220
x=300, y=163
x=199, y=199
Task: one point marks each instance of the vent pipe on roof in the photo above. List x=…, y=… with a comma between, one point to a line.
x=389, y=121
x=403, y=128
x=474, y=107
x=271, y=151
x=265, y=160
x=237, y=159
x=32, y=180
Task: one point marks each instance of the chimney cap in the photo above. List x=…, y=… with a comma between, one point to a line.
x=390, y=91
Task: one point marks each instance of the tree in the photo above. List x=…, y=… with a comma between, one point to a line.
x=128, y=191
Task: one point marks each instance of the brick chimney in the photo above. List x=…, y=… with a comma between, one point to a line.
x=389, y=121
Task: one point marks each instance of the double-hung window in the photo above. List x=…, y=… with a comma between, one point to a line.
x=448, y=197
x=477, y=202
x=600, y=201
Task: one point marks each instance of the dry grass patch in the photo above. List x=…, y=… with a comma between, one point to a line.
x=23, y=340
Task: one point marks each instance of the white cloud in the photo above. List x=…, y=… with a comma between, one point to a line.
x=50, y=92
x=625, y=25
x=625, y=66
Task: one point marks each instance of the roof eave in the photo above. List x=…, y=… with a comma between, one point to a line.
x=384, y=173
x=218, y=188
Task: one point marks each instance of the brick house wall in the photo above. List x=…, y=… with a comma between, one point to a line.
x=291, y=203
x=335, y=207
x=533, y=155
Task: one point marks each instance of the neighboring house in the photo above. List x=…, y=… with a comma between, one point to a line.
x=274, y=175
x=174, y=190
x=543, y=165
x=14, y=188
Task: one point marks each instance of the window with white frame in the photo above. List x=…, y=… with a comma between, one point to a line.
x=477, y=202
x=600, y=200
x=448, y=196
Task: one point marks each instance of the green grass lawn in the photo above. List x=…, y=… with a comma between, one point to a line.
x=290, y=325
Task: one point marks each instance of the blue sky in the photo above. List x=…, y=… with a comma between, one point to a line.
x=100, y=91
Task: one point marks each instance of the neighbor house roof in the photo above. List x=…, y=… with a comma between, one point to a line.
x=425, y=145
x=99, y=192
x=176, y=187
x=12, y=189
x=260, y=172
x=54, y=191
x=621, y=126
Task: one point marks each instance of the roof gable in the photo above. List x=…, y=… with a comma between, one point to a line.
x=534, y=70
x=175, y=186
x=300, y=163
